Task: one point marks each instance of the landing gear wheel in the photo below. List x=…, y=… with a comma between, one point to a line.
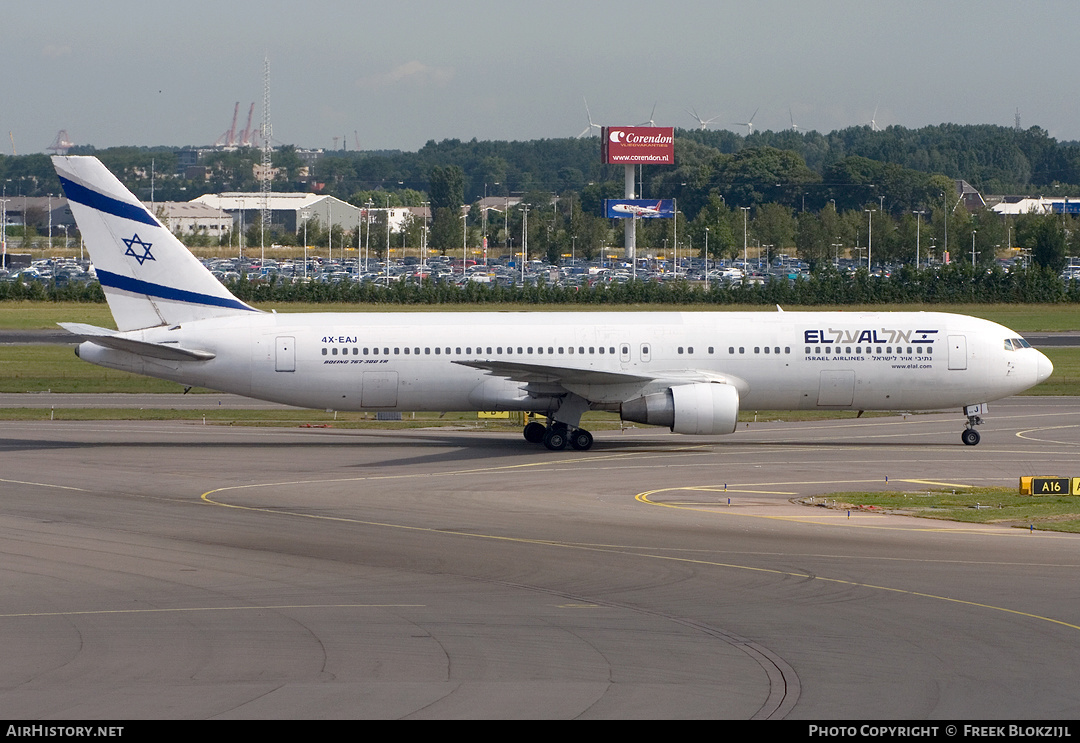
x=555, y=439
x=581, y=440
x=534, y=433
x=970, y=437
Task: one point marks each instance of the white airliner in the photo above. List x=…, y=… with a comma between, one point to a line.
x=637, y=210
x=689, y=371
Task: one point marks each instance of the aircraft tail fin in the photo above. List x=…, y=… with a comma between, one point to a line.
x=148, y=276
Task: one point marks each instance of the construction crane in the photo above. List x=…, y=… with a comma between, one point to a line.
x=228, y=139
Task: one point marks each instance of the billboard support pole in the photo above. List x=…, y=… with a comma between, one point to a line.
x=630, y=228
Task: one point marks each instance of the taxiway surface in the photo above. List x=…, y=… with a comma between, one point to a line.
x=185, y=571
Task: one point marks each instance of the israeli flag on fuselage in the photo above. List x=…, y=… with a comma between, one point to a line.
x=148, y=276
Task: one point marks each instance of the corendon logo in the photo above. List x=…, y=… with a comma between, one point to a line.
x=638, y=144
x=620, y=136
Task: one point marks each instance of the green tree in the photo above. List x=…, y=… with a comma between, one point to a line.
x=1048, y=249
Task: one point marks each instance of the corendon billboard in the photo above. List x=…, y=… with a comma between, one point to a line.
x=636, y=145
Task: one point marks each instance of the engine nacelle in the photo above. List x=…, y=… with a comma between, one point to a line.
x=704, y=408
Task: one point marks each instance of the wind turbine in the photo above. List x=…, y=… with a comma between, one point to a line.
x=794, y=126
x=591, y=125
x=873, y=122
x=748, y=124
x=650, y=122
x=703, y=123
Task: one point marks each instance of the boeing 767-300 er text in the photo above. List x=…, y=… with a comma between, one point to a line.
x=689, y=371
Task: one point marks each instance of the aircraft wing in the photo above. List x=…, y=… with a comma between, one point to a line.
x=117, y=340
x=568, y=376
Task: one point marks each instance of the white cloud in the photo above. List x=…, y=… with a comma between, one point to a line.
x=414, y=72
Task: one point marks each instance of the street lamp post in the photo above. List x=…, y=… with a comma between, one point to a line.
x=3, y=229
x=869, y=239
x=918, y=233
x=304, y=215
x=367, y=239
x=745, y=211
x=706, y=259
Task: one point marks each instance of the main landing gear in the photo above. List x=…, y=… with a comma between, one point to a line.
x=970, y=436
x=557, y=436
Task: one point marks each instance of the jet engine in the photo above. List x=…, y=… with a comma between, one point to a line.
x=703, y=408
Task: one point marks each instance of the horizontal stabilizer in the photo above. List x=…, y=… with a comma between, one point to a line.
x=120, y=342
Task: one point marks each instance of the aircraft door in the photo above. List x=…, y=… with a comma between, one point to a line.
x=957, y=352
x=285, y=359
x=646, y=352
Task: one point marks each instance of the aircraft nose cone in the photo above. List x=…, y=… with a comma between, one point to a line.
x=1046, y=368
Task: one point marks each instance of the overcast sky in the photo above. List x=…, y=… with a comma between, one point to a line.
x=393, y=75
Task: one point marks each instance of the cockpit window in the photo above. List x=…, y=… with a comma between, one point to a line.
x=1015, y=344
x=1008, y=344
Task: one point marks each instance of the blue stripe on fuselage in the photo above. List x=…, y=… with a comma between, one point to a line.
x=135, y=286
x=83, y=195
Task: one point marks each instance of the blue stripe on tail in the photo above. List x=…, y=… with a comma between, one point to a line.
x=83, y=195
x=135, y=286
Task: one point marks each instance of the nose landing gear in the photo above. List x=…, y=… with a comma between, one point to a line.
x=970, y=436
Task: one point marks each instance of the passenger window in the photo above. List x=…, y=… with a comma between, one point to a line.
x=731, y=349
x=324, y=352
x=437, y=350
x=680, y=349
x=333, y=352
x=742, y=349
x=766, y=349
